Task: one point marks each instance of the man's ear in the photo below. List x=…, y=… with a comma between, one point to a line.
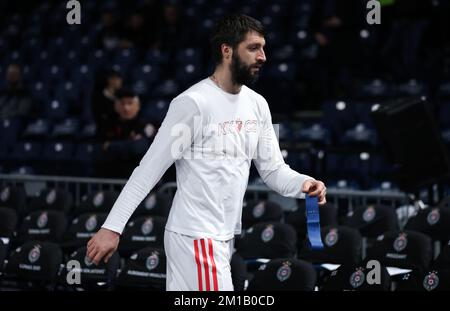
x=227, y=51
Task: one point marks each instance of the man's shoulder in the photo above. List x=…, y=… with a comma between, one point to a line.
x=195, y=94
x=258, y=97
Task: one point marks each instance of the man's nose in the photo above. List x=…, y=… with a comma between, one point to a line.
x=261, y=57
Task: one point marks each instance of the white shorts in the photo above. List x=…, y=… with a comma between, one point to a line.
x=196, y=264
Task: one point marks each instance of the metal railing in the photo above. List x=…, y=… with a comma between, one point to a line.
x=83, y=185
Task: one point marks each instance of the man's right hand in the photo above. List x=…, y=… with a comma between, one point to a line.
x=102, y=245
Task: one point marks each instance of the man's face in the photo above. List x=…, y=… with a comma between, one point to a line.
x=247, y=59
x=127, y=108
x=13, y=74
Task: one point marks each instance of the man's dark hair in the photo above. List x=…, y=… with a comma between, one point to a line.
x=231, y=30
x=124, y=93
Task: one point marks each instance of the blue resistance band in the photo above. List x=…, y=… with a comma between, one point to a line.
x=313, y=222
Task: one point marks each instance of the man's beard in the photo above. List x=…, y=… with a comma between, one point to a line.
x=241, y=74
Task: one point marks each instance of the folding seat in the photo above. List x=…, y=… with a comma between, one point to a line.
x=82, y=74
x=359, y=135
x=56, y=109
x=40, y=91
x=71, y=59
x=300, y=161
x=33, y=265
x=88, y=132
x=338, y=116
x=45, y=225
x=97, y=59
x=154, y=204
x=142, y=231
x=167, y=88
x=432, y=221
x=315, y=133
x=412, y=88
x=258, y=211
x=155, y=110
x=68, y=91
x=97, y=202
x=432, y=280
x=85, y=154
x=375, y=89
x=125, y=57
x=52, y=198
x=149, y=73
x=82, y=229
x=37, y=130
x=267, y=241
x=372, y=220
x=351, y=277
x=239, y=273
x=57, y=157
x=284, y=274
x=27, y=151
x=402, y=249
x=144, y=270
x=444, y=112
x=342, y=245
x=141, y=88
x=23, y=170
x=8, y=223
x=444, y=90
x=188, y=56
x=281, y=71
x=435, y=278
x=91, y=276
x=443, y=260
x=52, y=74
x=157, y=57
x=3, y=254
x=188, y=73
x=67, y=129
x=9, y=131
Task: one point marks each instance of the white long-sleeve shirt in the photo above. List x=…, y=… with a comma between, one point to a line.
x=222, y=134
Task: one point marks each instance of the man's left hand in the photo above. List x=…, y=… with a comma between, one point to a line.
x=315, y=188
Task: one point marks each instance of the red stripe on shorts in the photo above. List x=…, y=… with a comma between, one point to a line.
x=213, y=263
x=205, y=264
x=199, y=266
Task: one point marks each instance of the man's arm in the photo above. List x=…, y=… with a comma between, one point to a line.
x=276, y=173
x=156, y=161
x=158, y=158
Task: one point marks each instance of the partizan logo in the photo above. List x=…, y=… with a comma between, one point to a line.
x=98, y=199
x=51, y=197
x=431, y=281
x=42, y=220
x=147, y=226
x=433, y=217
x=152, y=261
x=34, y=254
x=150, y=202
x=369, y=214
x=259, y=209
x=400, y=242
x=357, y=278
x=5, y=194
x=91, y=223
x=284, y=272
x=332, y=237
x=267, y=234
